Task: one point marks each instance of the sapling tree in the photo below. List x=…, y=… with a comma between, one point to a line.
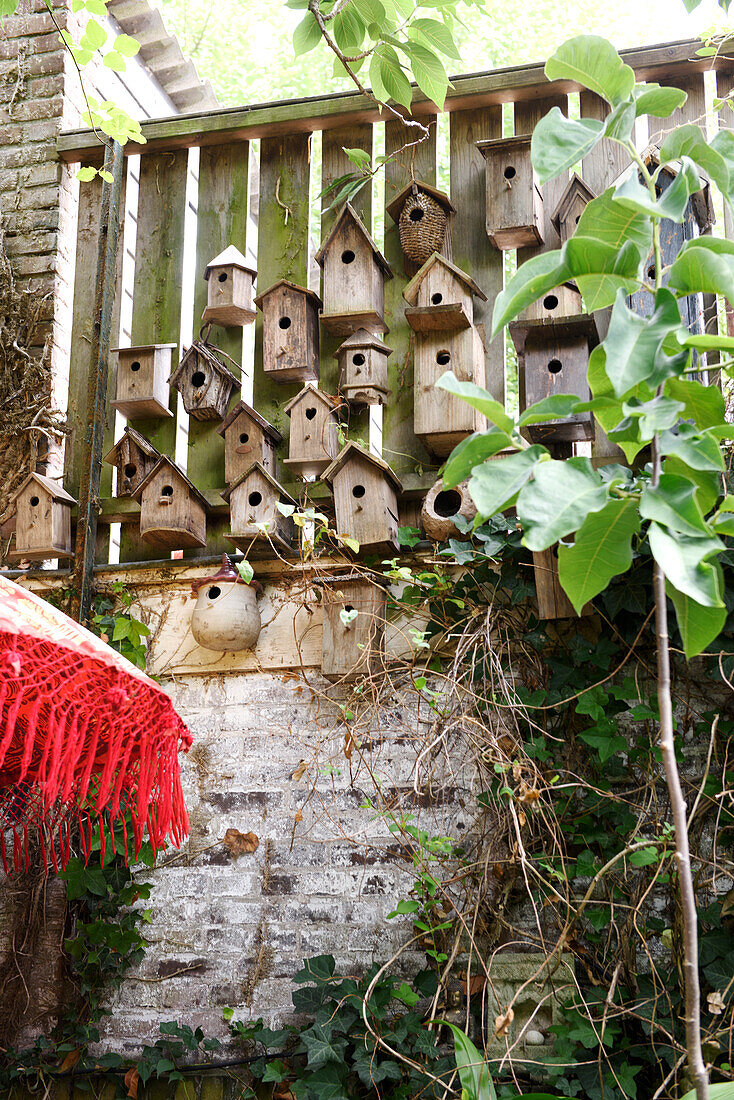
x=669, y=424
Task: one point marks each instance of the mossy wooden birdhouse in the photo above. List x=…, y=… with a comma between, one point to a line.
x=554, y=359
x=353, y=626
x=354, y=277
x=229, y=294
x=133, y=456
x=514, y=202
x=42, y=520
x=365, y=497
x=423, y=217
x=253, y=509
x=248, y=438
x=172, y=510
x=440, y=419
x=440, y=297
x=362, y=360
x=314, y=434
x=203, y=381
x=290, y=332
x=142, y=381
x=571, y=206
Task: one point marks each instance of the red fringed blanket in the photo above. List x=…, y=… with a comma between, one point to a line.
x=81, y=731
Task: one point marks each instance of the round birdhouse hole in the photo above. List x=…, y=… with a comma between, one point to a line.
x=130, y=470
x=443, y=358
x=422, y=227
x=198, y=378
x=440, y=508
x=555, y=366
x=550, y=302
x=284, y=322
x=348, y=256
x=34, y=502
x=223, y=276
x=135, y=365
x=510, y=172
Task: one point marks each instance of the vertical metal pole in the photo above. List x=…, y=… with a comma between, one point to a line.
x=91, y=471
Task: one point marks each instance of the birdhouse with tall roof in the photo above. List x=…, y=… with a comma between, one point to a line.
x=514, y=201
x=253, y=509
x=290, y=332
x=142, y=381
x=440, y=297
x=229, y=293
x=441, y=420
x=42, y=520
x=354, y=609
x=133, y=456
x=423, y=217
x=365, y=497
x=248, y=438
x=172, y=510
x=354, y=277
x=203, y=381
x=314, y=434
x=571, y=206
x=362, y=360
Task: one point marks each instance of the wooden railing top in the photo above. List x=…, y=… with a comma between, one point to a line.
x=513, y=84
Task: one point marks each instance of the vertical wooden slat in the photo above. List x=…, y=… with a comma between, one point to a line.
x=400, y=448
x=157, y=295
x=724, y=85
x=470, y=245
x=608, y=159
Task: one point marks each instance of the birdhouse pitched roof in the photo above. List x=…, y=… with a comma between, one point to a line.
x=140, y=442
x=363, y=339
x=411, y=291
x=257, y=467
x=395, y=206
x=504, y=144
x=576, y=188
x=310, y=294
x=353, y=452
x=51, y=487
x=143, y=347
x=165, y=461
x=247, y=410
x=348, y=212
x=311, y=391
x=231, y=257
x=200, y=350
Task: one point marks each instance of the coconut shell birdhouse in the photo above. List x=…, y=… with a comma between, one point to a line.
x=440, y=297
x=229, y=294
x=314, y=434
x=365, y=497
x=203, y=381
x=133, y=456
x=172, y=510
x=554, y=359
x=362, y=360
x=441, y=507
x=290, y=332
x=253, y=509
x=353, y=626
x=354, y=277
x=248, y=438
x=142, y=381
x=423, y=217
x=514, y=202
x=571, y=206
x=226, y=617
x=42, y=520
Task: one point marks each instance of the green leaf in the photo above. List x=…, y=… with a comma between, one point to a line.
x=360, y=157
x=706, y=265
x=8, y=7
x=531, y=281
x=429, y=73
x=708, y=482
x=685, y=562
x=673, y=201
x=556, y=407
x=434, y=34
x=479, y=399
x=321, y=1047
x=114, y=61
x=673, y=503
x=595, y=64
x=306, y=36
x=473, y=1070
x=633, y=343
x=470, y=453
x=644, y=857
x=702, y=404
x=601, y=550
x=651, y=99
x=559, y=142
x=715, y=159
x=558, y=499
x=653, y=416
x=393, y=83
x=614, y=224
x=126, y=45
x=94, y=35
x=620, y=122
x=699, y=450
x=86, y=174
x=348, y=30
x=495, y=485
x=601, y=270
x=698, y=627
x=246, y=571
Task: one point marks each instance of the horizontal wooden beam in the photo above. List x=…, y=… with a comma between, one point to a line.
x=513, y=84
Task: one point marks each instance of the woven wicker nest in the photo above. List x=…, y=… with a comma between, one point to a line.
x=422, y=227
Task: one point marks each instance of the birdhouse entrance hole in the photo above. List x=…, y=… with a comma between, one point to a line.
x=198, y=378
x=416, y=214
x=167, y=491
x=447, y=503
x=130, y=470
x=437, y=298
x=358, y=359
x=348, y=256
x=348, y=607
x=284, y=322
x=33, y=502
x=223, y=276
x=214, y=592
x=510, y=172
x=135, y=365
x=358, y=491
x=254, y=499
x=550, y=301
x=310, y=414
x=244, y=437
x=555, y=366
x=443, y=358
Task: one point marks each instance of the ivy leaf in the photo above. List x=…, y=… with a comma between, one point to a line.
x=531, y=281
x=702, y=404
x=633, y=343
x=321, y=1047
x=306, y=36
x=698, y=626
x=559, y=142
x=470, y=453
x=601, y=550
x=644, y=857
x=558, y=499
x=673, y=503
x=652, y=99
x=245, y=570
x=685, y=562
x=348, y=617
x=479, y=399
x=495, y=485
x=435, y=35
x=706, y=265
x=594, y=63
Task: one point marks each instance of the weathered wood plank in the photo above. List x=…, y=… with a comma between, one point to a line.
x=724, y=85
x=470, y=246
x=605, y=162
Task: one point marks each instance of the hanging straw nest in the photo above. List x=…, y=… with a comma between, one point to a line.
x=422, y=226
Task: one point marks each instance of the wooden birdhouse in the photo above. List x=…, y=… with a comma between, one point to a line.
x=248, y=438
x=440, y=297
x=290, y=332
x=134, y=457
x=514, y=199
x=172, y=510
x=571, y=206
x=554, y=359
x=203, y=381
x=423, y=217
x=362, y=360
x=229, y=294
x=314, y=435
x=354, y=277
x=353, y=626
x=562, y=301
x=553, y=603
x=142, y=381
x=42, y=520
x=253, y=509
x=440, y=419
x=365, y=497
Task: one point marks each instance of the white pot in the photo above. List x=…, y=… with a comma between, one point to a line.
x=226, y=616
